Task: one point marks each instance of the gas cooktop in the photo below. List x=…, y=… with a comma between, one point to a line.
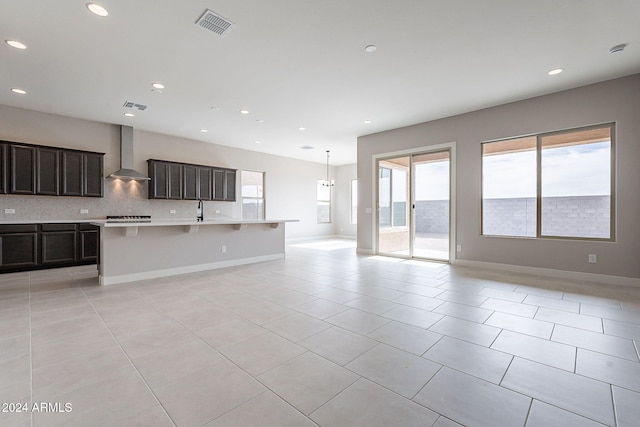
x=128, y=218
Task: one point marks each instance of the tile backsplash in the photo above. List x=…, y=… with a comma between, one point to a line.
x=120, y=198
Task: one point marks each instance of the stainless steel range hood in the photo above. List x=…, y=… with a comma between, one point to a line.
x=126, y=170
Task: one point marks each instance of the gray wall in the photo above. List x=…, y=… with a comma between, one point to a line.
x=611, y=101
x=290, y=186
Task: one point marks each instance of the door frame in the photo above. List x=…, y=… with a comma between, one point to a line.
x=451, y=146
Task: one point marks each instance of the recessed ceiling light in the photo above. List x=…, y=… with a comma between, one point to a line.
x=302, y=128
x=555, y=71
x=367, y=121
x=97, y=9
x=204, y=130
x=18, y=91
x=306, y=147
x=244, y=111
x=16, y=44
x=617, y=48
x=260, y=121
x=258, y=142
x=129, y=114
x=370, y=48
x=157, y=85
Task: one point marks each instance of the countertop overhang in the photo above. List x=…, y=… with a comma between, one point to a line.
x=189, y=222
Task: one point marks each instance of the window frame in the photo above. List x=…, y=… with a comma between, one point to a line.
x=329, y=185
x=399, y=169
x=353, y=213
x=539, y=137
x=257, y=199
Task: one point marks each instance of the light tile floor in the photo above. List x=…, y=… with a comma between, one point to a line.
x=325, y=337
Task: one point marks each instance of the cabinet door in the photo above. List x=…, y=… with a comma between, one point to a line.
x=218, y=184
x=159, y=186
x=230, y=186
x=93, y=185
x=190, y=180
x=18, y=250
x=47, y=171
x=204, y=183
x=175, y=181
x=58, y=247
x=87, y=245
x=72, y=171
x=23, y=170
x=3, y=169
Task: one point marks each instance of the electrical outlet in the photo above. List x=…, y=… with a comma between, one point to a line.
x=9, y=211
x=84, y=211
x=224, y=249
x=217, y=211
x=459, y=248
x=593, y=258
x=172, y=211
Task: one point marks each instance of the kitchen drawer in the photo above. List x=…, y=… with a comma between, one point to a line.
x=58, y=227
x=18, y=228
x=83, y=226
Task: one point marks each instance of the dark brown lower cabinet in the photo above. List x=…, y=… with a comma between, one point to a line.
x=36, y=246
x=58, y=243
x=88, y=243
x=18, y=246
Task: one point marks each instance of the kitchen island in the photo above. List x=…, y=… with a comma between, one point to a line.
x=131, y=251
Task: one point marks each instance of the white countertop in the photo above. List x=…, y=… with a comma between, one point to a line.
x=47, y=221
x=190, y=222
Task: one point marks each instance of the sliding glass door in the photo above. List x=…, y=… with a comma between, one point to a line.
x=414, y=206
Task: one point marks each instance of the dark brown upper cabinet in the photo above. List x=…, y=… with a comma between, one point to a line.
x=23, y=170
x=224, y=184
x=72, y=171
x=197, y=182
x=51, y=171
x=3, y=169
x=194, y=181
x=204, y=183
x=93, y=174
x=47, y=171
x=166, y=180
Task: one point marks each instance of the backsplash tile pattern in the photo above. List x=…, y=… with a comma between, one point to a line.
x=121, y=198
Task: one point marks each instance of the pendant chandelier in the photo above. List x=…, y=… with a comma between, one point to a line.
x=327, y=182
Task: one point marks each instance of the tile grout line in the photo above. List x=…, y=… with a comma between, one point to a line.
x=255, y=378
x=127, y=356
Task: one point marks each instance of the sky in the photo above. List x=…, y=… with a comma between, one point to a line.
x=579, y=170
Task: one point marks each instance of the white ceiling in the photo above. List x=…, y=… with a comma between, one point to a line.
x=295, y=63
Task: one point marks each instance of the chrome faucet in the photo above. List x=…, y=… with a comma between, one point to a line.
x=200, y=211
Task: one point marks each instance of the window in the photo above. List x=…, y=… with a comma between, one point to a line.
x=323, y=191
x=551, y=185
x=354, y=201
x=393, y=194
x=252, y=195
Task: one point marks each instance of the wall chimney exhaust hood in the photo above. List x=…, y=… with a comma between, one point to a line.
x=126, y=170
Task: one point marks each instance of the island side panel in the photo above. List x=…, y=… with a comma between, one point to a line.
x=168, y=250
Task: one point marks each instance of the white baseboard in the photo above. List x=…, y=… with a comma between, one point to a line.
x=548, y=272
x=124, y=278
x=361, y=251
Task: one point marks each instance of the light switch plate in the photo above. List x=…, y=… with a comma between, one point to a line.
x=84, y=211
x=9, y=211
x=172, y=211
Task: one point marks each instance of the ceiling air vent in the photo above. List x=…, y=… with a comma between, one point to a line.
x=130, y=104
x=214, y=22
